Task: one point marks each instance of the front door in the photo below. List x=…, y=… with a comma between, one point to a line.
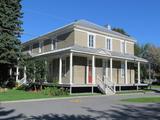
x=89, y=71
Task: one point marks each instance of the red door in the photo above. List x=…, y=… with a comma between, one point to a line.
x=90, y=72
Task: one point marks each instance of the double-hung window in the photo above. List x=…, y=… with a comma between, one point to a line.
x=40, y=47
x=122, y=69
x=123, y=47
x=64, y=66
x=108, y=43
x=91, y=40
x=54, y=44
x=30, y=49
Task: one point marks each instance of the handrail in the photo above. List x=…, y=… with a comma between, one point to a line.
x=101, y=83
x=110, y=84
x=22, y=81
x=106, y=84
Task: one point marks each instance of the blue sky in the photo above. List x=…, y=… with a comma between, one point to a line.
x=140, y=18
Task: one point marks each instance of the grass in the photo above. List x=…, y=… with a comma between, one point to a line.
x=143, y=100
x=133, y=91
x=155, y=86
x=12, y=95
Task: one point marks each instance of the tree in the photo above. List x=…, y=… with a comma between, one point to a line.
x=152, y=54
x=120, y=30
x=10, y=31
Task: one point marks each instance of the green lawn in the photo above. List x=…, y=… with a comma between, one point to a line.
x=133, y=91
x=143, y=100
x=11, y=95
x=129, y=91
x=21, y=95
x=155, y=86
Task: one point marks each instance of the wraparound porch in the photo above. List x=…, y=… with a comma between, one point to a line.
x=82, y=69
x=82, y=66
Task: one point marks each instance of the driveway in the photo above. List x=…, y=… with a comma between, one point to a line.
x=85, y=108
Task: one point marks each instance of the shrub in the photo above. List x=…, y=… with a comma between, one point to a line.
x=55, y=91
x=22, y=87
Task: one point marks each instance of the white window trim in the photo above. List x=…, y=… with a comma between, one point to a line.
x=65, y=66
x=40, y=47
x=122, y=46
x=125, y=47
x=110, y=43
x=103, y=34
x=94, y=40
x=52, y=46
x=122, y=63
x=30, y=49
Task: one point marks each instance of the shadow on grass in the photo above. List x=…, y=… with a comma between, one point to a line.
x=117, y=112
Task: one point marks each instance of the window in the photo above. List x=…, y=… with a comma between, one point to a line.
x=64, y=67
x=108, y=44
x=122, y=69
x=54, y=44
x=40, y=47
x=30, y=49
x=91, y=41
x=123, y=47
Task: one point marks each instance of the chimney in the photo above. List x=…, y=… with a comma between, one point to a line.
x=108, y=27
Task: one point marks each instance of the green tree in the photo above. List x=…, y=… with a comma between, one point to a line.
x=10, y=31
x=36, y=70
x=152, y=54
x=120, y=30
x=40, y=71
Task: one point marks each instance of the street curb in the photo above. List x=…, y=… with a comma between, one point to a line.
x=48, y=99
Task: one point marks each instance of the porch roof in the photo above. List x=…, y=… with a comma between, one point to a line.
x=94, y=51
x=104, y=52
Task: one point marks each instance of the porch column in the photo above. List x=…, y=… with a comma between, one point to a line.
x=139, y=73
x=126, y=82
x=17, y=73
x=34, y=72
x=111, y=69
x=24, y=74
x=149, y=71
x=93, y=69
x=71, y=64
x=46, y=71
x=10, y=71
x=60, y=70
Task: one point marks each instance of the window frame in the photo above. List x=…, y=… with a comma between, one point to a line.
x=94, y=40
x=31, y=48
x=54, y=44
x=41, y=47
x=123, y=48
x=108, y=47
x=122, y=69
x=64, y=66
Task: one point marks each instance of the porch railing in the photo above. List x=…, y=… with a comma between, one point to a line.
x=101, y=85
x=22, y=81
x=106, y=85
x=110, y=84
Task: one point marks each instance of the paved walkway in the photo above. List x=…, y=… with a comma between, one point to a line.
x=87, y=108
